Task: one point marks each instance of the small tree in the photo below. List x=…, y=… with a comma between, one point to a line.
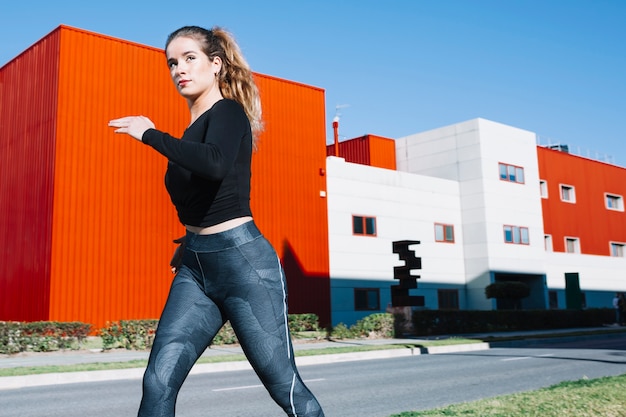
x=512, y=291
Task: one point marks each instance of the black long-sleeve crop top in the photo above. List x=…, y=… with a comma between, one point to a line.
x=208, y=173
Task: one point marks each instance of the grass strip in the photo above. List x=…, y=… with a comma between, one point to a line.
x=601, y=397
x=448, y=342
x=141, y=363
x=554, y=335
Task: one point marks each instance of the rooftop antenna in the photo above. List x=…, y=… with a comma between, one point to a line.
x=336, y=125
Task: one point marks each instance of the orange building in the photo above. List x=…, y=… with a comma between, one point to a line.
x=582, y=201
x=87, y=227
x=372, y=150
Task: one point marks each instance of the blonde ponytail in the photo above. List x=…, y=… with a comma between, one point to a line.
x=235, y=78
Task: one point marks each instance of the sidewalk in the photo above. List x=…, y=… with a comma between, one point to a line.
x=412, y=348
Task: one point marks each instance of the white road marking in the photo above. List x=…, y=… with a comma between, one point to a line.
x=527, y=357
x=258, y=386
x=515, y=359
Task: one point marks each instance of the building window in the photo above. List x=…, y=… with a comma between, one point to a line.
x=547, y=241
x=364, y=225
x=444, y=233
x=543, y=188
x=568, y=193
x=366, y=299
x=448, y=299
x=511, y=173
x=572, y=245
x=617, y=249
x=516, y=234
x=614, y=202
x=553, y=300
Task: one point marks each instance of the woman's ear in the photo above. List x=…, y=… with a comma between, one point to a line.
x=217, y=64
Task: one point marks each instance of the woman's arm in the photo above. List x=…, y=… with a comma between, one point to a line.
x=210, y=156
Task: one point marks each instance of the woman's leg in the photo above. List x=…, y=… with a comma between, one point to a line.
x=257, y=309
x=189, y=322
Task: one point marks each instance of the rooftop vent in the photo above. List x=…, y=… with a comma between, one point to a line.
x=559, y=147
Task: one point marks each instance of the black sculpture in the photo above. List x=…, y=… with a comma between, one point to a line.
x=400, y=293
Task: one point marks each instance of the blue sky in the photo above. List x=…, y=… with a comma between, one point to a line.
x=554, y=67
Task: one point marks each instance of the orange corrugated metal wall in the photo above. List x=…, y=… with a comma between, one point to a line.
x=370, y=150
x=356, y=150
x=27, y=123
x=591, y=180
x=382, y=152
x=287, y=181
x=111, y=219
x=112, y=216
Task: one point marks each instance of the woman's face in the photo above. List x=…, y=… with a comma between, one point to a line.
x=191, y=70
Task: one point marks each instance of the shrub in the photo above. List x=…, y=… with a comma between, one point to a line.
x=375, y=326
x=111, y=335
x=226, y=335
x=303, y=322
x=41, y=336
x=341, y=331
x=439, y=322
x=129, y=334
x=139, y=334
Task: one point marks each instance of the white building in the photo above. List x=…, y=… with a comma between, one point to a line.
x=470, y=193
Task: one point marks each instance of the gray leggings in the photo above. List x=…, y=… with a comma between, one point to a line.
x=236, y=276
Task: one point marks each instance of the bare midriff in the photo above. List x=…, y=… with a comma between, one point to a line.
x=221, y=227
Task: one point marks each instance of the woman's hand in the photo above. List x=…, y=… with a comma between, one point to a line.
x=134, y=126
x=177, y=258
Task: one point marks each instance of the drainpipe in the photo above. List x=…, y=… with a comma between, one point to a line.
x=336, y=134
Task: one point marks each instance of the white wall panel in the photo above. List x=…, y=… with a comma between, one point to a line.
x=469, y=170
x=486, y=202
x=406, y=207
x=597, y=273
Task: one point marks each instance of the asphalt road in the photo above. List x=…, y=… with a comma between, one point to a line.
x=370, y=388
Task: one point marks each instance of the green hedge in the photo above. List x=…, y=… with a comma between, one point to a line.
x=139, y=334
x=41, y=336
x=374, y=326
x=439, y=322
x=307, y=322
x=129, y=334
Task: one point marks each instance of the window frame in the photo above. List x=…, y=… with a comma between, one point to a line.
x=576, y=242
x=553, y=300
x=615, y=245
x=543, y=189
x=364, y=225
x=367, y=291
x=444, y=227
x=547, y=239
x=441, y=295
x=571, y=189
x=516, y=173
x=618, y=198
x=516, y=232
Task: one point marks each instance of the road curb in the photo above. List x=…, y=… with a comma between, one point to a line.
x=538, y=341
x=25, y=381
x=434, y=350
x=411, y=347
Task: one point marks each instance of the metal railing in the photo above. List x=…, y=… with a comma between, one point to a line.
x=576, y=150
